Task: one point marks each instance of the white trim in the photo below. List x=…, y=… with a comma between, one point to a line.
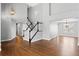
x=44, y=38
x=0, y=46
x=7, y=39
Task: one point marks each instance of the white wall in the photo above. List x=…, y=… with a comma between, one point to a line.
x=8, y=29
x=35, y=14
x=64, y=10
x=53, y=29
x=0, y=22
x=20, y=9
x=8, y=26
x=0, y=27
x=71, y=31
x=59, y=11
x=78, y=32
x=74, y=29
x=40, y=13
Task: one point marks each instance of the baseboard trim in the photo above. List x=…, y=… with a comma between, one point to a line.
x=0, y=46
x=70, y=36
x=7, y=39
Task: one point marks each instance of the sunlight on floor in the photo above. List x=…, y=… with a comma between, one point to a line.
x=0, y=46
x=67, y=46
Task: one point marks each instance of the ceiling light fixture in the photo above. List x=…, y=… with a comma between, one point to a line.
x=66, y=25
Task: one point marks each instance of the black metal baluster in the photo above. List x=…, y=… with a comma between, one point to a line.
x=16, y=29
x=29, y=38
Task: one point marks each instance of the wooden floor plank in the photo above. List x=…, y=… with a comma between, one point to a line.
x=20, y=47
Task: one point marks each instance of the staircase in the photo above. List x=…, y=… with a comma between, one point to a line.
x=31, y=26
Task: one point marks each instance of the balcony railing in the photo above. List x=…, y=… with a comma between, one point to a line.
x=31, y=26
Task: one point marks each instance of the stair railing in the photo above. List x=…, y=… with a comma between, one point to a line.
x=31, y=26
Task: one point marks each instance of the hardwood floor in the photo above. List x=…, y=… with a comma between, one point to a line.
x=20, y=47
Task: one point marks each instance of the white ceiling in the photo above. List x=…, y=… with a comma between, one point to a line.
x=32, y=4
x=69, y=20
x=64, y=11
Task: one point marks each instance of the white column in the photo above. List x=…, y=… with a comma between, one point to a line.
x=78, y=33
x=0, y=46
x=0, y=27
